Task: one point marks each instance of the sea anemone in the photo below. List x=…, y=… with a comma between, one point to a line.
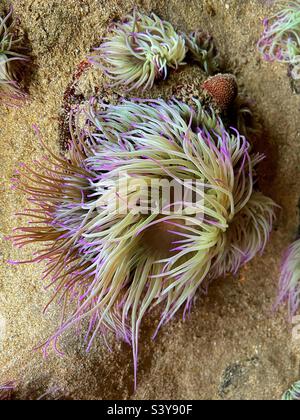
x=139, y=50
x=293, y=394
x=202, y=50
x=289, y=288
x=114, y=255
x=281, y=37
x=10, y=59
x=6, y=390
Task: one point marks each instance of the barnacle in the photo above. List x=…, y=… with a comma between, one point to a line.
x=280, y=40
x=114, y=252
x=139, y=50
x=10, y=60
x=289, y=288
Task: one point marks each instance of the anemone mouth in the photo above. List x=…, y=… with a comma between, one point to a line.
x=159, y=240
x=114, y=261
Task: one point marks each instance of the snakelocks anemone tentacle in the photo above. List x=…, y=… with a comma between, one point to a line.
x=10, y=60
x=6, y=390
x=293, y=394
x=201, y=47
x=115, y=252
x=139, y=51
x=289, y=286
x=280, y=40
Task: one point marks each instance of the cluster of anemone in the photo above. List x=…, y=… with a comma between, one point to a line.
x=6, y=390
x=142, y=48
x=281, y=37
x=10, y=61
x=290, y=279
x=110, y=258
x=293, y=394
x=139, y=51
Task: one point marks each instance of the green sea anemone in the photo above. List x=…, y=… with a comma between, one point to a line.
x=293, y=394
x=203, y=51
x=289, y=289
x=116, y=247
x=281, y=38
x=139, y=50
x=10, y=61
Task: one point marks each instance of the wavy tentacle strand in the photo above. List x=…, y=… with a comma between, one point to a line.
x=293, y=394
x=202, y=49
x=116, y=262
x=289, y=286
x=6, y=390
x=139, y=51
x=246, y=236
x=10, y=61
x=280, y=40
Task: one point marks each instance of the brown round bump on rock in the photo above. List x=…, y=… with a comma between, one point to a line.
x=222, y=88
